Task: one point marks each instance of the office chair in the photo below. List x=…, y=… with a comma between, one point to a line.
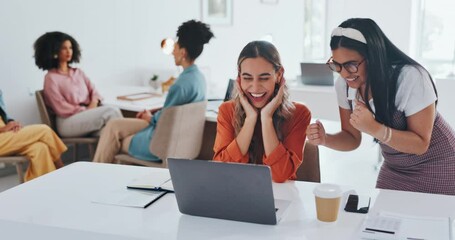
x=19, y=162
x=309, y=170
x=178, y=134
x=48, y=118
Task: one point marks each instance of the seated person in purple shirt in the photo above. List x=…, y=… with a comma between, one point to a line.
x=68, y=91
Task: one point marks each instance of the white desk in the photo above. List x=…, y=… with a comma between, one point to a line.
x=110, y=94
x=58, y=206
x=321, y=100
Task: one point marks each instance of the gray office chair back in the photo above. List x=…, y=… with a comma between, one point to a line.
x=47, y=117
x=179, y=131
x=309, y=170
x=178, y=134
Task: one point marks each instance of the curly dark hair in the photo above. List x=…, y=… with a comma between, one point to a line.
x=192, y=35
x=48, y=45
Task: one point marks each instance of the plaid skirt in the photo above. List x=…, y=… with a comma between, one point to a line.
x=431, y=172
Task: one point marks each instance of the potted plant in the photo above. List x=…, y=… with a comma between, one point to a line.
x=154, y=82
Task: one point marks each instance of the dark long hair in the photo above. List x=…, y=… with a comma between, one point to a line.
x=384, y=62
x=267, y=51
x=48, y=45
x=192, y=35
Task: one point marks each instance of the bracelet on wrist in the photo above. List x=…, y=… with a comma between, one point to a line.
x=389, y=135
x=384, y=136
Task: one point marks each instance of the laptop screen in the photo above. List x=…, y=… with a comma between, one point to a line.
x=230, y=90
x=232, y=191
x=316, y=74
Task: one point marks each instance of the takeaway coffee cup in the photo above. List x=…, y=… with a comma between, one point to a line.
x=327, y=197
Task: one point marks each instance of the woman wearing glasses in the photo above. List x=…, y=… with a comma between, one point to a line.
x=386, y=94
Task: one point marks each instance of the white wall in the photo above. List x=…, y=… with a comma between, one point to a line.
x=445, y=88
x=394, y=17
x=120, y=38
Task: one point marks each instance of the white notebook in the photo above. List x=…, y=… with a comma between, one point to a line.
x=394, y=226
x=155, y=182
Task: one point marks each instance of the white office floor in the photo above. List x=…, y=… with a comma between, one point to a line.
x=356, y=168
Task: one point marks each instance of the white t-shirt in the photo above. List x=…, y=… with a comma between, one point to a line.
x=414, y=93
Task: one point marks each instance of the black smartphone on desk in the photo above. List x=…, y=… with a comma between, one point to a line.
x=357, y=204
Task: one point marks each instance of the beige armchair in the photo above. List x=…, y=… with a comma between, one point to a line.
x=309, y=170
x=48, y=118
x=178, y=134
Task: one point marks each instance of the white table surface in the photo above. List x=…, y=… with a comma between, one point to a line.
x=59, y=204
x=110, y=94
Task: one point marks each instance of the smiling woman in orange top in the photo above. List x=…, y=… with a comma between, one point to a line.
x=260, y=125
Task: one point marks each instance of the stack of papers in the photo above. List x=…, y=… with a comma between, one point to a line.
x=394, y=226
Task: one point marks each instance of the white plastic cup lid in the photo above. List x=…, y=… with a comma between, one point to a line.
x=327, y=190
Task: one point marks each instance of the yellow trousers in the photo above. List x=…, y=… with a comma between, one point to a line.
x=38, y=143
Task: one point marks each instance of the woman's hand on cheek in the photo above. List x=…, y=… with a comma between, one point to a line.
x=250, y=111
x=268, y=110
x=361, y=118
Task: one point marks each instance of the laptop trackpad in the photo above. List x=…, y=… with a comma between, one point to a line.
x=281, y=207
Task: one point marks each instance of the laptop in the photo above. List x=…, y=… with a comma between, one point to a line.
x=229, y=90
x=228, y=95
x=231, y=191
x=316, y=74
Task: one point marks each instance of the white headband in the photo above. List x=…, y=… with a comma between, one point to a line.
x=349, y=33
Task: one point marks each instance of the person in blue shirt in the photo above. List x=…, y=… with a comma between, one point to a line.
x=133, y=135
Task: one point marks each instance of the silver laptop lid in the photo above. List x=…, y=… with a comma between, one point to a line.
x=239, y=192
x=316, y=74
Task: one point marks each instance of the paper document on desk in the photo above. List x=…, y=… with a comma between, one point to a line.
x=128, y=198
x=159, y=102
x=139, y=96
x=158, y=181
x=394, y=226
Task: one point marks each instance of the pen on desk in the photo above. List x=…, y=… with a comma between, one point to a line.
x=156, y=199
x=379, y=230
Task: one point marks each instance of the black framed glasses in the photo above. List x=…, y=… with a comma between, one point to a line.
x=350, y=67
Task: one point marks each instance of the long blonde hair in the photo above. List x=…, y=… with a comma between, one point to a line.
x=268, y=52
